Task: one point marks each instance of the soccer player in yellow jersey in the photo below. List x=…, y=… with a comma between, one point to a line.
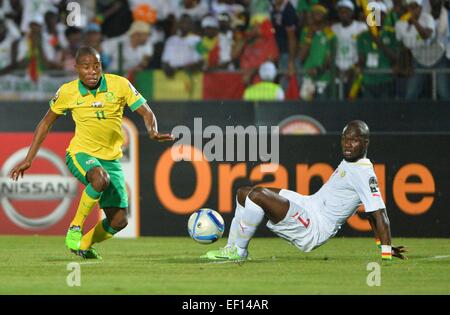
x=97, y=102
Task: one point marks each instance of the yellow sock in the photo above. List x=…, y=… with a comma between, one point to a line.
x=87, y=202
x=100, y=232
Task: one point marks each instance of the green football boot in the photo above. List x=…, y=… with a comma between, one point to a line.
x=225, y=253
x=73, y=238
x=89, y=253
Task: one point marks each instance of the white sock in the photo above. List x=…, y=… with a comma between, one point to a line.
x=251, y=217
x=235, y=223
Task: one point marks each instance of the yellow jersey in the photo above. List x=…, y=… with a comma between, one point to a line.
x=97, y=114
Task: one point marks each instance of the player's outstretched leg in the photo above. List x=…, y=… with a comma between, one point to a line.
x=116, y=220
x=98, y=180
x=259, y=202
x=229, y=249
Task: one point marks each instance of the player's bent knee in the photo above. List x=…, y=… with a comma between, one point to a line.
x=242, y=194
x=257, y=195
x=119, y=224
x=100, y=179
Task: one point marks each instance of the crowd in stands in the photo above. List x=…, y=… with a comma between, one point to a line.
x=313, y=48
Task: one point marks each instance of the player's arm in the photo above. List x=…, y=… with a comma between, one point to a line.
x=379, y=222
x=152, y=125
x=374, y=229
x=40, y=134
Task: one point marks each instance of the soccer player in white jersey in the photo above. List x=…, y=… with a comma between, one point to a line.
x=310, y=221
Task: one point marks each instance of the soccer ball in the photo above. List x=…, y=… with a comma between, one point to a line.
x=206, y=226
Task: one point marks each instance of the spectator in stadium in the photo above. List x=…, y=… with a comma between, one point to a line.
x=257, y=6
x=394, y=13
x=92, y=37
x=378, y=52
x=114, y=16
x=266, y=90
x=12, y=10
x=38, y=55
x=333, y=16
x=226, y=38
x=284, y=20
x=304, y=11
x=417, y=32
x=33, y=8
x=227, y=6
x=9, y=44
x=215, y=49
x=74, y=39
x=258, y=45
x=346, y=32
x=196, y=9
x=180, y=51
x=317, y=48
x=163, y=8
x=54, y=32
x=440, y=44
x=131, y=52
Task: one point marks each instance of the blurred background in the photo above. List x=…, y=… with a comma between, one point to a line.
x=321, y=50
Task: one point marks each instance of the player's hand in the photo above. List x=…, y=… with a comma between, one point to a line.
x=19, y=170
x=161, y=137
x=397, y=251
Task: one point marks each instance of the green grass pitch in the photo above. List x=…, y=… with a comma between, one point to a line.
x=171, y=265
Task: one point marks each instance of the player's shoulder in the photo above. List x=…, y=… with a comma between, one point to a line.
x=362, y=163
x=116, y=82
x=68, y=88
x=361, y=166
x=114, y=78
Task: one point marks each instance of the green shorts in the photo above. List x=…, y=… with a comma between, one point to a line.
x=115, y=196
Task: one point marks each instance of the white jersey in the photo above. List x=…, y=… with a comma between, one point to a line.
x=351, y=185
x=323, y=213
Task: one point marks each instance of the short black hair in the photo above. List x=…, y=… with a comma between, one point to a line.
x=361, y=125
x=86, y=50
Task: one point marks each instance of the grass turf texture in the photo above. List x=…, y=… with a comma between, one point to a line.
x=170, y=265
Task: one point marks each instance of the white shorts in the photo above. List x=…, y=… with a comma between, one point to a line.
x=300, y=226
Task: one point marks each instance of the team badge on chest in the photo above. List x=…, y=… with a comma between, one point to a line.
x=97, y=104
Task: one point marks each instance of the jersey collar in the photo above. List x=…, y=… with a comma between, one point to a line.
x=102, y=88
x=360, y=161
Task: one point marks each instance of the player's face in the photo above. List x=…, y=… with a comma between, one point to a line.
x=89, y=69
x=353, y=144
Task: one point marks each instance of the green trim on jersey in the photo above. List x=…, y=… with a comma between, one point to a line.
x=137, y=104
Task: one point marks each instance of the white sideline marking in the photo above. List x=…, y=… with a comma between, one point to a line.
x=441, y=257
x=219, y=262
x=232, y=261
x=435, y=257
x=90, y=262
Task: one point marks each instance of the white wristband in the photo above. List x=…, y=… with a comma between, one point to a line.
x=386, y=249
